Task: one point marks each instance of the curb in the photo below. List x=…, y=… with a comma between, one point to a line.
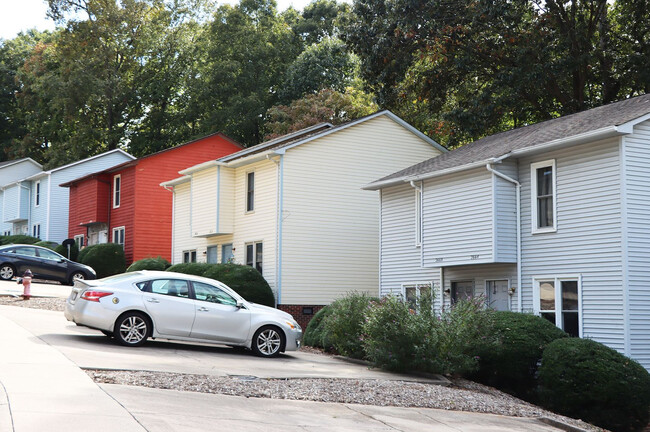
x=560, y=425
x=438, y=379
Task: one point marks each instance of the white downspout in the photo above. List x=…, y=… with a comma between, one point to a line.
x=518, y=198
x=278, y=227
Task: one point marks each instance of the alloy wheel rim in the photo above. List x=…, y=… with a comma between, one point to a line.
x=133, y=329
x=78, y=276
x=268, y=342
x=6, y=272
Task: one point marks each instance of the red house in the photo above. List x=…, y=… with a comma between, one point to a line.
x=126, y=205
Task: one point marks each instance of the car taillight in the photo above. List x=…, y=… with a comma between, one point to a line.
x=95, y=295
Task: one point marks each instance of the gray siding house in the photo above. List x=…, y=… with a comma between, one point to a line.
x=551, y=219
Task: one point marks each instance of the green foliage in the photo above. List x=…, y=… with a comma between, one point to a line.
x=584, y=379
x=315, y=333
x=18, y=239
x=244, y=280
x=106, y=259
x=74, y=252
x=47, y=244
x=344, y=324
x=325, y=106
x=516, y=342
x=320, y=19
x=158, y=263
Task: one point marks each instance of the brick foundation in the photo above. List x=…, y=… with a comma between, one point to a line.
x=298, y=312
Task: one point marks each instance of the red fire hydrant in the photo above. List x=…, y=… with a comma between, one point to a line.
x=27, y=284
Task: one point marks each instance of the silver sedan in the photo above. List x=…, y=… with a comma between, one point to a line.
x=132, y=307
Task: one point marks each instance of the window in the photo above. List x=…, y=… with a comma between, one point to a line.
x=118, y=236
x=413, y=292
x=250, y=191
x=254, y=255
x=6, y=233
x=226, y=254
x=117, y=190
x=79, y=239
x=36, y=230
x=189, y=256
x=48, y=254
x=461, y=290
x=558, y=300
x=543, y=196
x=170, y=287
x=37, y=194
x=212, y=294
x=418, y=216
x=25, y=251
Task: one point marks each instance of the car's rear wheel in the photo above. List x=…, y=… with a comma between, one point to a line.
x=77, y=276
x=7, y=272
x=268, y=341
x=132, y=329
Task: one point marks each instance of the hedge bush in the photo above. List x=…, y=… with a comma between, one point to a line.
x=47, y=244
x=158, y=263
x=508, y=359
x=244, y=280
x=585, y=379
x=345, y=321
x=18, y=239
x=74, y=252
x=315, y=333
x=106, y=259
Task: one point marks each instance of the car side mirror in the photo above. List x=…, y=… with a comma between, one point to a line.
x=240, y=304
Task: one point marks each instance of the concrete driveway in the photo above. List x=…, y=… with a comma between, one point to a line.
x=42, y=388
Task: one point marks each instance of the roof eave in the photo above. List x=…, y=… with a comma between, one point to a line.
x=176, y=181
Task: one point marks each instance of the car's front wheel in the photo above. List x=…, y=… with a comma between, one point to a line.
x=76, y=276
x=132, y=329
x=268, y=341
x=7, y=272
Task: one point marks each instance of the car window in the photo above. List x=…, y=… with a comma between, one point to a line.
x=48, y=254
x=141, y=285
x=170, y=287
x=206, y=292
x=26, y=251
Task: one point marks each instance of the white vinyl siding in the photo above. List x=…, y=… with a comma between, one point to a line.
x=204, y=202
x=457, y=223
x=330, y=225
x=400, y=259
x=505, y=218
x=637, y=179
x=588, y=237
x=182, y=236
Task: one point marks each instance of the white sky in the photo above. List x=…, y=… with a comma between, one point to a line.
x=21, y=15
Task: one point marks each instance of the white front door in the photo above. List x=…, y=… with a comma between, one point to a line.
x=497, y=294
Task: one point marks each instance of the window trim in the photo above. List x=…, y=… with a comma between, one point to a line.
x=118, y=229
x=36, y=230
x=77, y=239
x=117, y=192
x=37, y=193
x=190, y=252
x=533, y=196
x=251, y=192
x=255, y=262
x=417, y=285
x=537, y=280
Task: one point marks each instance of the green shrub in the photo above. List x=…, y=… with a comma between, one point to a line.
x=585, y=379
x=345, y=321
x=18, y=239
x=196, y=269
x=74, y=252
x=315, y=333
x=515, y=343
x=244, y=280
x=106, y=259
x=395, y=338
x=47, y=244
x=158, y=263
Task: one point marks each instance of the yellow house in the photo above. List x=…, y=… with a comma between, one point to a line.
x=293, y=208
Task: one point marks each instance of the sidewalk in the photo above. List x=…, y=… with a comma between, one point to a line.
x=41, y=390
x=39, y=289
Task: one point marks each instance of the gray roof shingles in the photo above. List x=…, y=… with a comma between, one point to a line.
x=493, y=146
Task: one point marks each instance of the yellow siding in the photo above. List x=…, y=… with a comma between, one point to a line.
x=226, y=200
x=204, y=202
x=182, y=236
x=330, y=240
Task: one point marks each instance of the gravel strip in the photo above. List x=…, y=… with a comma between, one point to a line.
x=462, y=395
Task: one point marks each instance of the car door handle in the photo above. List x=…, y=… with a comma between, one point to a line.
x=203, y=309
x=153, y=300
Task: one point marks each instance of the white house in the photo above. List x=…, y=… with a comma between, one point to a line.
x=293, y=207
x=550, y=218
x=33, y=203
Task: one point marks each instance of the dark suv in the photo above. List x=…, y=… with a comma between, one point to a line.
x=44, y=264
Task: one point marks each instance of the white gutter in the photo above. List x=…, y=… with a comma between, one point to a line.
x=518, y=199
x=199, y=167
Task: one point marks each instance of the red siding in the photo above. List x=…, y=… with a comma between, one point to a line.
x=153, y=216
x=122, y=216
x=88, y=204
